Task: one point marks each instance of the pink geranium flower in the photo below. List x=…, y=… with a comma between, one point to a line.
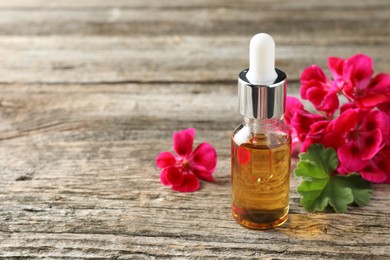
x=353, y=77
x=362, y=134
x=378, y=168
x=302, y=121
x=181, y=171
x=317, y=88
x=315, y=135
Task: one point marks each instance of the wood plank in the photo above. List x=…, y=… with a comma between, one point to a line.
x=49, y=109
x=178, y=5
x=318, y=22
x=313, y=23
x=86, y=186
x=73, y=59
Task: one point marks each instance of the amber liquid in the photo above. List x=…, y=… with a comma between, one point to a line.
x=261, y=180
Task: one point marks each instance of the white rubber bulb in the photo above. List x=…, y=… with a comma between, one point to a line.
x=262, y=60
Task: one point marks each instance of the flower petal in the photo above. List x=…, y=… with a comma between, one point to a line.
x=381, y=83
x=371, y=143
x=323, y=100
x=347, y=106
x=204, y=155
x=358, y=69
x=173, y=176
x=336, y=65
x=313, y=77
x=292, y=105
x=315, y=134
x=371, y=100
x=332, y=139
x=315, y=95
x=373, y=174
x=163, y=178
x=302, y=120
x=190, y=184
x=349, y=91
x=350, y=157
x=341, y=169
x=376, y=93
x=203, y=174
x=182, y=141
x=346, y=120
x=330, y=103
x=165, y=159
x=385, y=107
x=203, y=161
x=382, y=161
x=313, y=72
x=376, y=119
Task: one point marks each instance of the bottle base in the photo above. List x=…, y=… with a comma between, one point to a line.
x=260, y=219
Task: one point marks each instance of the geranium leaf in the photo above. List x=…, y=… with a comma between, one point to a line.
x=360, y=188
x=321, y=188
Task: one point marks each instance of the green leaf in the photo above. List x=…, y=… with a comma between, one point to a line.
x=321, y=188
x=361, y=189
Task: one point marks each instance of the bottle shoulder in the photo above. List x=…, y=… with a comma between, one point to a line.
x=267, y=135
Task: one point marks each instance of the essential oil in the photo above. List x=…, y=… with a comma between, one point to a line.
x=261, y=179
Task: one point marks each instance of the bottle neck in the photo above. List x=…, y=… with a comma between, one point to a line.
x=263, y=125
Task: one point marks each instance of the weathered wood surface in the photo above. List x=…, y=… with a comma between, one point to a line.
x=90, y=92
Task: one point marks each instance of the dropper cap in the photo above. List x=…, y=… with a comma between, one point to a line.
x=262, y=59
x=262, y=88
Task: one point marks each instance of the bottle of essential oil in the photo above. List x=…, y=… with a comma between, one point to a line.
x=261, y=144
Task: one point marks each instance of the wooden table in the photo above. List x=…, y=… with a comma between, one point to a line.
x=91, y=92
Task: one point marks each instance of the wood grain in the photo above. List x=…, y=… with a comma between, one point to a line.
x=78, y=180
x=90, y=93
x=72, y=59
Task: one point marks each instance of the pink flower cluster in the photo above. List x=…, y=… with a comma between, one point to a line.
x=360, y=133
x=182, y=171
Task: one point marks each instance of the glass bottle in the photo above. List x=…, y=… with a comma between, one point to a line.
x=261, y=145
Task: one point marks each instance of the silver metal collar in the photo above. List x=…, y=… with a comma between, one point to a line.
x=262, y=101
